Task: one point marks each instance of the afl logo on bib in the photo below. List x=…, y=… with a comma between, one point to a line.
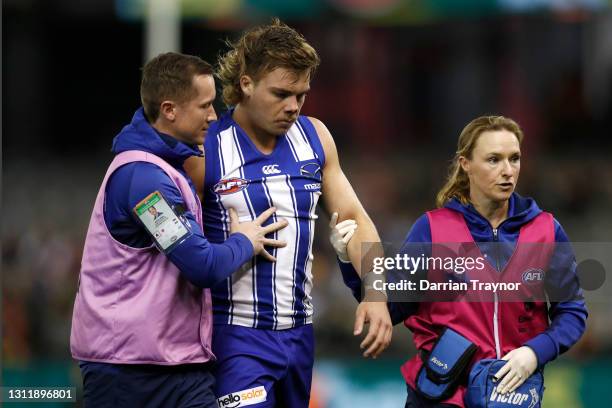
x=230, y=186
x=532, y=276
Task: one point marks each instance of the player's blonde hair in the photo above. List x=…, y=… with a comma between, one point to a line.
x=458, y=184
x=260, y=50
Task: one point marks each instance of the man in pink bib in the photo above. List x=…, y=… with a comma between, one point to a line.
x=142, y=320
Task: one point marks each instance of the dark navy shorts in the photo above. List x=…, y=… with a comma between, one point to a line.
x=147, y=385
x=263, y=368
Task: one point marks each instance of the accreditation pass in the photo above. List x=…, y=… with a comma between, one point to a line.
x=161, y=221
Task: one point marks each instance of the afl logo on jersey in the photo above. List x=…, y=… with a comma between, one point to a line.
x=230, y=186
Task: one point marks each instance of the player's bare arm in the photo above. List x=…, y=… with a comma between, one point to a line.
x=195, y=167
x=339, y=196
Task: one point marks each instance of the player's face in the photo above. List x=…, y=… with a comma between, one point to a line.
x=275, y=100
x=194, y=116
x=494, y=167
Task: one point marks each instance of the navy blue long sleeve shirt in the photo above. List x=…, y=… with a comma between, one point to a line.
x=567, y=317
x=201, y=262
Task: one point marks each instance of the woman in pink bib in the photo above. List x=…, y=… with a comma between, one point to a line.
x=492, y=272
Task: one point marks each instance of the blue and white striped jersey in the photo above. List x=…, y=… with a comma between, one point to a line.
x=264, y=294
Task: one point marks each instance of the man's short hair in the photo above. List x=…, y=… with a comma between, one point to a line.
x=169, y=76
x=261, y=50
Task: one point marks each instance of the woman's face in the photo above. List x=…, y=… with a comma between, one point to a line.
x=494, y=168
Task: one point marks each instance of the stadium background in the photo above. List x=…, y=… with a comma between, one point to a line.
x=398, y=80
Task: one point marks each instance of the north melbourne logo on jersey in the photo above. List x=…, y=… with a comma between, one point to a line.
x=270, y=169
x=243, y=398
x=229, y=186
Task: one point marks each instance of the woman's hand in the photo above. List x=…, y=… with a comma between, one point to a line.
x=522, y=362
x=340, y=235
